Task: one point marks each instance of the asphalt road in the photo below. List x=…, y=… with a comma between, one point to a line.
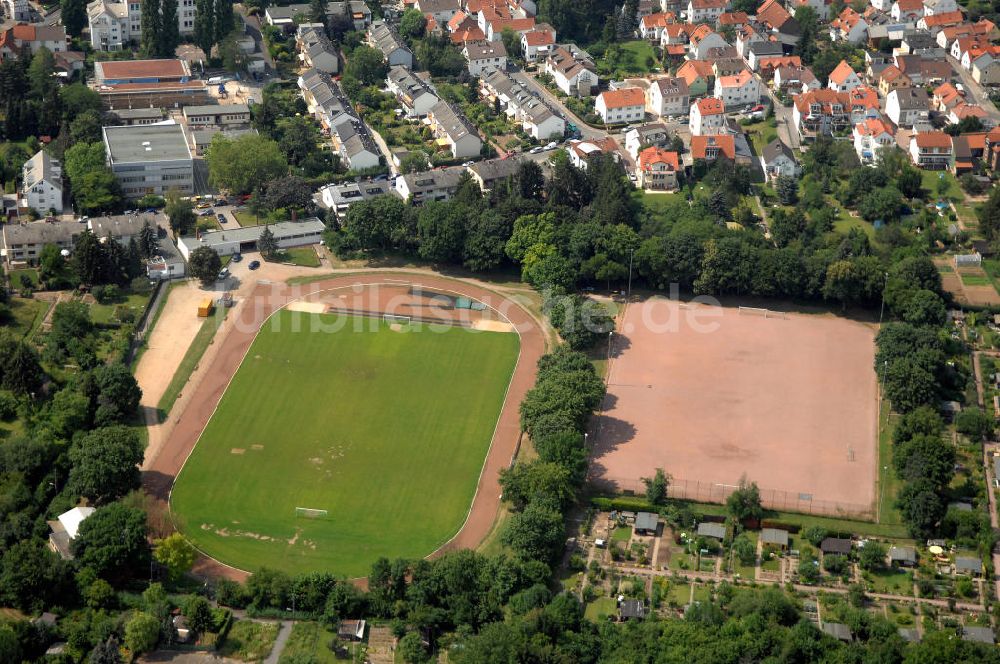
x=974, y=90
x=528, y=81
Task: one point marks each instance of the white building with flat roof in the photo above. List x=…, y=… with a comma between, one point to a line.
x=150, y=159
x=227, y=242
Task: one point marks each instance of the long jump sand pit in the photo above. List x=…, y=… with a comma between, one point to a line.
x=711, y=394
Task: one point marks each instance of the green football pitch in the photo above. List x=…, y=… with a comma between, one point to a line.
x=385, y=429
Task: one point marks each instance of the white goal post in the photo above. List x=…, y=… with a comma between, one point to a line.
x=759, y=311
x=393, y=318
x=310, y=513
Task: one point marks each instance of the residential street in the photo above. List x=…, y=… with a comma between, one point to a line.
x=586, y=131
x=974, y=92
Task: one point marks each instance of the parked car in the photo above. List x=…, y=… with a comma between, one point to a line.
x=206, y=213
x=223, y=274
x=254, y=265
x=221, y=217
x=536, y=150
x=552, y=146
x=202, y=206
x=236, y=258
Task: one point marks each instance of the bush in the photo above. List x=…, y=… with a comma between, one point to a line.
x=8, y=406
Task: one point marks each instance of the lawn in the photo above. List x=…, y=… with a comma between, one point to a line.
x=28, y=314
x=602, y=606
x=889, y=483
x=250, y=641
x=761, y=133
x=105, y=313
x=895, y=582
x=302, y=256
x=244, y=218
x=930, y=180
x=628, y=58
x=385, y=429
x=621, y=534
x=17, y=278
x=974, y=279
x=309, y=641
x=198, y=346
x=658, y=202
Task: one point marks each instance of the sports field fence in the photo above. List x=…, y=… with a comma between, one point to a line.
x=701, y=491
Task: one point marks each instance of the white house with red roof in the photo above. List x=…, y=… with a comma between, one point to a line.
x=621, y=106
x=964, y=110
x=850, y=27
x=907, y=10
x=536, y=43
x=870, y=137
x=24, y=40
x=571, y=70
x=710, y=148
x=708, y=116
x=651, y=26
x=738, y=90
x=703, y=39
x=843, y=78
x=931, y=149
x=705, y=11
x=657, y=169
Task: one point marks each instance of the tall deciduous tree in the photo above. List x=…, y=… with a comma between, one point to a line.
x=112, y=541
x=205, y=264
x=106, y=463
x=74, y=16
x=243, y=164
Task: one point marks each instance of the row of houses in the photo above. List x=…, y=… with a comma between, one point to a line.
x=333, y=110
x=537, y=118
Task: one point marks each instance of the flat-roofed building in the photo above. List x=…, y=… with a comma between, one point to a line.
x=137, y=116
x=234, y=241
x=151, y=159
x=226, y=115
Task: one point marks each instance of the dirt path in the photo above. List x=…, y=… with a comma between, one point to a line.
x=198, y=403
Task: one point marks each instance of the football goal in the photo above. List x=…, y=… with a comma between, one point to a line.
x=310, y=513
x=758, y=311
x=397, y=320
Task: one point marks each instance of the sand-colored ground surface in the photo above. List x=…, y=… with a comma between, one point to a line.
x=710, y=395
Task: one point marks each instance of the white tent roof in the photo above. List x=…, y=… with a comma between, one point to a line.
x=71, y=520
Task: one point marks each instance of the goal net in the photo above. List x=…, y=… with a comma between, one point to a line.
x=398, y=320
x=758, y=311
x=310, y=513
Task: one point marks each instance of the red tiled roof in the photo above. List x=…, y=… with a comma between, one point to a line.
x=733, y=18
x=841, y=73
x=122, y=69
x=737, y=80
x=692, y=70
x=725, y=143
x=710, y=106
x=773, y=14
x=539, y=38
x=932, y=139
x=623, y=98
x=947, y=18
x=874, y=127
x=655, y=155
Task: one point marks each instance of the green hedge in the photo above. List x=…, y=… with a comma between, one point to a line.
x=626, y=503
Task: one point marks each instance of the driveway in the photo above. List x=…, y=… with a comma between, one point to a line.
x=974, y=90
x=529, y=81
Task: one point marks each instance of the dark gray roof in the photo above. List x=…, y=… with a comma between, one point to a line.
x=479, y=50
x=121, y=225
x=774, y=536
x=453, y=121
x=495, y=169
x=838, y=631
x=775, y=149
x=646, y=521
x=968, y=564
x=766, y=48
x=632, y=608
x=911, y=99
x=42, y=232
x=979, y=634
x=137, y=113
x=835, y=545
x=903, y=554
x=385, y=38
x=710, y=529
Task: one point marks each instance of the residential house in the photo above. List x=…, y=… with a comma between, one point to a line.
x=491, y=172
x=65, y=528
x=923, y=69
x=947, y=96
x=464, y=28
x=794, y=80
x=415, y=94
x=917, y=42
x=742, y=89
x=705, y=11
x=654, y=134
x=494, y=19
x=16, y=10
x=821, y=7
x=777, y=19
x=820, y=112
x=580, y=152
x=42, y=184
x=113, y=24
x=962, y=111
x=698, y=75
x=651, y=27
x=932, y=7
x=750, y=34
x=386, y=39
x=285, y=16
x=675, y=37
x=907, y=10
x=932, y=24
x=712, y=147
x=668, y=96
x=23, y=243
x=656, y=169
x=454, y=130
x=843, y=78
x=316, y=50
x=621, y=106
x=435, y=185
x=734, y=20
x=707, y=116
x=777, y=160
x=703, y=39
x=986, y=69
x=891, y=78
x=728, y=66
x=931, y=150
x=537, y=118
x=335, y=113
x=22, y=40
x=536, y=44
x=441, y=10
x=984, y=28
x=871, y=137
x=484, y=55
x=121, y=228
x=849, y=27
x=340, y=197
x=763, y=49
x=572, y=70
x=907, y=107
